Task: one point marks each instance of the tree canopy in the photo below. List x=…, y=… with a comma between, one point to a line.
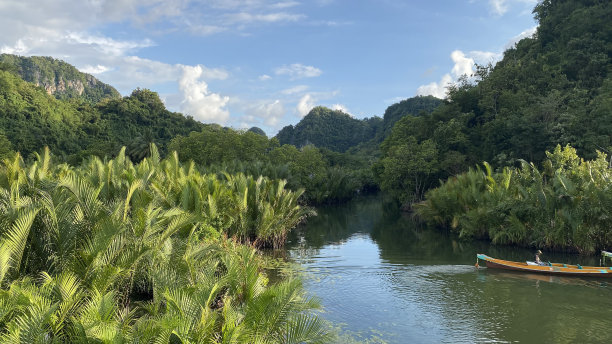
x=549, y=89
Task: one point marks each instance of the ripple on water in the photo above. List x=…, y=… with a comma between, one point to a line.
x=405, y=285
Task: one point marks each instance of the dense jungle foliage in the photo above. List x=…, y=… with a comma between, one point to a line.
x=566, y=204
x=116, y=252
x=327, y=176
x=550, y=89
x=553, y=88
x=31, y=119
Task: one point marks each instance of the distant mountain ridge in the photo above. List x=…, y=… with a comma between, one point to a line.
x=58, y=78
x=338, y=131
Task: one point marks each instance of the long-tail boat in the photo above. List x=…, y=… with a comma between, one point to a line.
x=549, y=268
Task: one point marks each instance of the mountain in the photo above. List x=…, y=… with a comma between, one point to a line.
x=326, y=128
x=30, y=119
x=338, y=131
x=58, y=78
x=258, y=131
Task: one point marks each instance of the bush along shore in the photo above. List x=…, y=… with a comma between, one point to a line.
x=566, y=204
x=116, y=252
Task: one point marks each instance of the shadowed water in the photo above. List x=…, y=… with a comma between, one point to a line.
x=382, y=278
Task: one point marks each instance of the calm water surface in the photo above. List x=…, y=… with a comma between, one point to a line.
x=382, y=278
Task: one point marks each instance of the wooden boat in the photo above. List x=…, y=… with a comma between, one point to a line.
x=551, y=268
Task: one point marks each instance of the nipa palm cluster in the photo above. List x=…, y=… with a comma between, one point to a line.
x=113, y=252
x=566, y=204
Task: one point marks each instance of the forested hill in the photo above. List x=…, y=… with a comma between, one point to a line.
x=412, y=106
x=338, y=131
x=553, y=88
x=58, y=78
x=31, y=119
x=332, y=129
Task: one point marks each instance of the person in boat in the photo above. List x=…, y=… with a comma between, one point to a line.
x=537, y=258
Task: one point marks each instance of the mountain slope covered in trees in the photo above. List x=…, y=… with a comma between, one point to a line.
x=553, y=88
x=58, y=78
x=31, y=119
x=332, y=129
x=338, y=131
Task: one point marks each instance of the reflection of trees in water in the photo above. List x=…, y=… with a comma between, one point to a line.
x=498, y=306
x=402, y=239
x=335, y=224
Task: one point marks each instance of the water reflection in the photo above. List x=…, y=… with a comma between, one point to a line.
x=382, y=276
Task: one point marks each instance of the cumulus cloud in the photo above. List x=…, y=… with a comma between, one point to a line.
x=341, y=107
x=306, y=103
x=94, y=69
x=18, y=49
x=264, y=77
x=198, y=101
x=436, y=89
x=270, y=113
x=298, y=71
x=463, y=65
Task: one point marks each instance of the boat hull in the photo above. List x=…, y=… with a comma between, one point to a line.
x=553, y=269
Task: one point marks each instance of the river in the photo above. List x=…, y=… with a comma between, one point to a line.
x=381, y=278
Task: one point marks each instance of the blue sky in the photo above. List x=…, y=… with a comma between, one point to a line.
x=266, y=63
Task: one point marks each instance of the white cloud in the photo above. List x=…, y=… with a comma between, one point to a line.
x=198, y=101
x=247, y=18
x=19, y=48
x=341, y=107
x=527, y=33
x=500, y=7
x=205, y=30
x=264, y=77
x=214, y=73
x=268, y=112
x=463, y=64
x=298, y=71
x=295, y=89
x=436, y=89
x=105, y=45
x=98, y=69
x=285, y=4
x=483, y=58
x=306, y=103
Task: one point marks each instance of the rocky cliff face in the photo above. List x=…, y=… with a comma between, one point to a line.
x=59, y=78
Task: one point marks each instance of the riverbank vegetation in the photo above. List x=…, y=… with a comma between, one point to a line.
x=566, y=204
x=113, y=251
x=550, y=89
